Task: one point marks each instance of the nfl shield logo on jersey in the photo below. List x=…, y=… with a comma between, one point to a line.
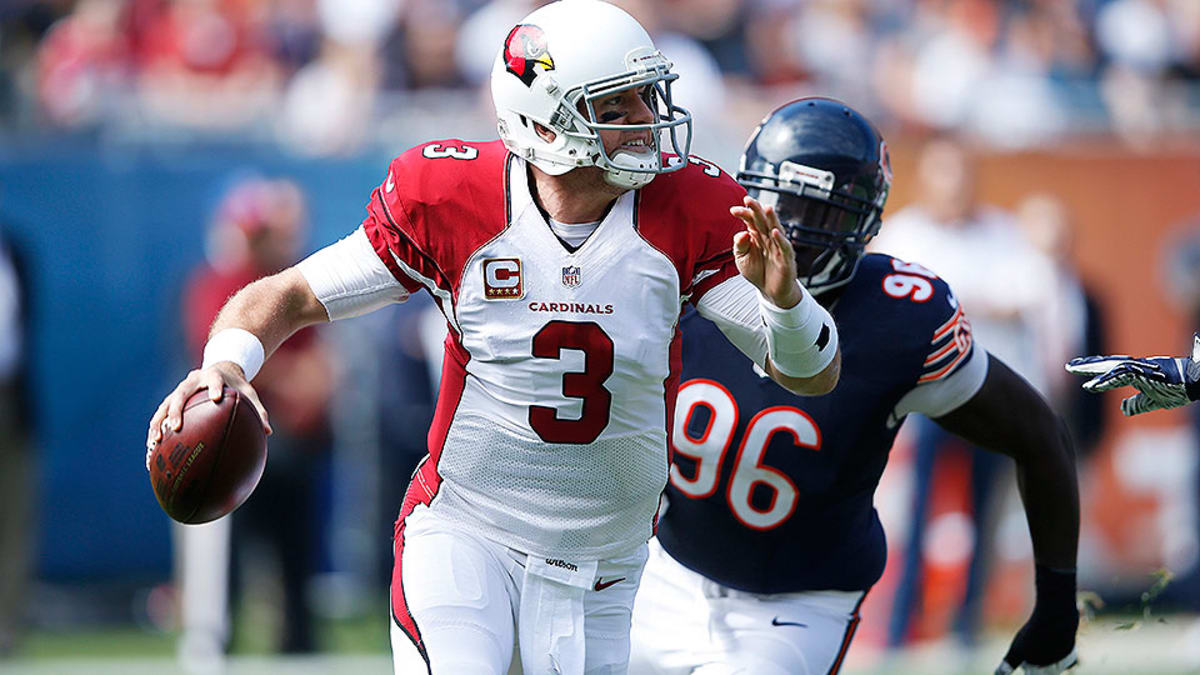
x=571, y=276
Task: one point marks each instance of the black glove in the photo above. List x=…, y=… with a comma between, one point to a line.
x=1045, y=645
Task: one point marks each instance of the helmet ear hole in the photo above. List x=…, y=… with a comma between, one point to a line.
x=544, y=132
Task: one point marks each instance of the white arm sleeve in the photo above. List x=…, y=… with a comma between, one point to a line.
x=349, y=278
x=939, y=397
x=761, y=330
x=733, y=306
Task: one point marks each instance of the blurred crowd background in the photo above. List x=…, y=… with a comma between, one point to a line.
x=155, y=155
x=327, y=76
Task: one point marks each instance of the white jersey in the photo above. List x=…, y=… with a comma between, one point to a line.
x=550, y=431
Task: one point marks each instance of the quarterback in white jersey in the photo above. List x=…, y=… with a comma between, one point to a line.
x=561, y=257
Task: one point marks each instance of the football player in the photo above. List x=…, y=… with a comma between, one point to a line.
x=1162, y=382
x=768, y=540
x=560, y=256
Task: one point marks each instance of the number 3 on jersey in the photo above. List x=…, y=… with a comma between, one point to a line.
x=748, y=470
x=597, y=348
x=439, y=151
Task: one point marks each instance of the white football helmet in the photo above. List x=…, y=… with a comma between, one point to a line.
x=575, y=51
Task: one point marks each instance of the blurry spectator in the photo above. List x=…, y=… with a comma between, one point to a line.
x=258, y=230
x=831, y=39
x=1135, y=34
x=206, y=63
x=1007, y=72
x=1143, y=40
x=82, y=63
x=294, y=33
x=22, y=27
x=768, y=56
x=955, y=58
x=359, y=22
x=16, y=475
x=719, y=25
x=420, y=51
x=1000, y=279
x=1016, y=105
x=1060, y=33
x=328, y=104
x=1185, y=23
x=1067, y=321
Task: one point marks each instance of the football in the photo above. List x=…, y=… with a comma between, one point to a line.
x=208, y=468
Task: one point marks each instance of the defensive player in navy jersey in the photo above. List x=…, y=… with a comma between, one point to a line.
x=768, y=540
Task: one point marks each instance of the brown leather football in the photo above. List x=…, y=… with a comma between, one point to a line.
x=211, y=465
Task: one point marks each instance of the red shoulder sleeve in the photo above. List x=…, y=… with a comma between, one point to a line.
x=685, y=215
x=438, y=203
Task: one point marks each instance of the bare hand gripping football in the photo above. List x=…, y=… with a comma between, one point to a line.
x=209, y=465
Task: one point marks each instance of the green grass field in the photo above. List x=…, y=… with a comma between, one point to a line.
x=1168, y=645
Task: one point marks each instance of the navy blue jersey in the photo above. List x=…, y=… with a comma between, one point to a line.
x=772, y=492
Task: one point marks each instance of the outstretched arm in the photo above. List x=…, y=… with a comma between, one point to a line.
x=799, y=331
x=1162, y=382
x=1007, y=415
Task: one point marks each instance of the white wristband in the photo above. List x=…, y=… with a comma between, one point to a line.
x=239, y=346
x=801, y=341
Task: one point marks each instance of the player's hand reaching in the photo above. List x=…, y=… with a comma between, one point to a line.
x=1045, y=645
x=764, y=255
x=214, y=378
x=1162, y=382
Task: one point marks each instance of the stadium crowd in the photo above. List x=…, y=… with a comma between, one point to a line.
x=319, y=74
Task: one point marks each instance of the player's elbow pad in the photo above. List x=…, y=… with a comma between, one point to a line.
x=801, y=341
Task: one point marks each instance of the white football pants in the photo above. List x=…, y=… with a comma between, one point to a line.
x=685, y=623
x=466, y=605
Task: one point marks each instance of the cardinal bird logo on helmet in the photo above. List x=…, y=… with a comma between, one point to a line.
x=524, y=48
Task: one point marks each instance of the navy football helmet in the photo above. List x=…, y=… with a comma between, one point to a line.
x=825, y=169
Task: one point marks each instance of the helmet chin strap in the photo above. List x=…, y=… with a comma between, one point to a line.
x=630, y=180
